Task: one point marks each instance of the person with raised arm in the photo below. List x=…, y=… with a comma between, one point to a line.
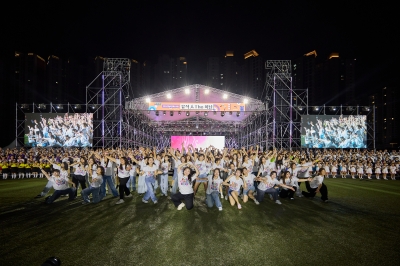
x=235, y=182
x=60, y=185
x=80, y=171
x=150, y=171
x=214, y=189
x=123, y=176
x=96, y=173
x=107, y=175
x=200, y=163
x=185, y=184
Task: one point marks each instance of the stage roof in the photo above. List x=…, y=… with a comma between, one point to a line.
x=224, y=102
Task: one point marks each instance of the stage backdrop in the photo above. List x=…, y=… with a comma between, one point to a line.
x=198, y=141
x=333, y=131
x=58, y=130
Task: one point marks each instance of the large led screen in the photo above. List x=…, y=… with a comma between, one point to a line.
x=198, y=142
x=333, y=131
x=58, y=130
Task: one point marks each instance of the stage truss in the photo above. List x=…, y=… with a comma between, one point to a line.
x=283, y=118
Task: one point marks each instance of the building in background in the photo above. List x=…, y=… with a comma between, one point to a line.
x=253, y=75
x=214, y=73
x=387, y=118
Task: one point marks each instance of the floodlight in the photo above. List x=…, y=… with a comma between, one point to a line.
x=179, y=112
x=164, y=112
x=147, y=100
x=225, y=96
x=24, y=106
x=245, y=101
x=300, y=108
x=207, y=91
x=169, y=95
x=77, y=106
x=187, y=91
x=187, y=113
x=205, y=113
x=237, y=114
x=59, y=106
x=366, y=108
x=316, y=108
x=332, y=108
x=42, y=106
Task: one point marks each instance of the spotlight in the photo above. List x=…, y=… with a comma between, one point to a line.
x=157, y=113
x=238, y=114
x=77, y=106
x=147, y=100
x=225, y=96
x=187, y=91
x=207, y=91
x=366, y=108
x=332, y=108
x=164, y=112
x=179, y=112
x=93, y=106
x=222, y=113
x=205, y=113
x=316, y=108
x=187, y=113
x=301, y=108
x=171, y=113
x=245, y=101
x=59, y=106
x=169, y=95
x=42, y=106
x=24, y=106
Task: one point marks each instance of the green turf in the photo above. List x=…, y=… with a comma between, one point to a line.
x=360, y=226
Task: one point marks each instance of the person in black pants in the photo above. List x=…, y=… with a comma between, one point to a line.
x=185, y=184
x=316, y=185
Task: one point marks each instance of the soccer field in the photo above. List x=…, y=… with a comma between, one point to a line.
x=359, y=226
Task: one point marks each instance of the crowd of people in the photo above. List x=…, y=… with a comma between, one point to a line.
x=236, y=175
x=336, y=132
x=69, y=130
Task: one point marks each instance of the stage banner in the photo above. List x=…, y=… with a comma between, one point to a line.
x=175, y=106
x=198, y=142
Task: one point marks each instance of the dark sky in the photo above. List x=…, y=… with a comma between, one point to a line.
x=143, y=30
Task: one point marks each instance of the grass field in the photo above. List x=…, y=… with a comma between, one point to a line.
x=359, y=226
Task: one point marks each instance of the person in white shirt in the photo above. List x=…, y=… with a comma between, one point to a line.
x=235, y=182
x=165, y=166
x=60, y=185
x=214, y=189
x=79, y=176
x=392, y=168
x=316, y=185
x=123, y=176
x=249, y=179
x=150, y=172
x=185, y=184
x=94, y=185
x=108, y=174
x=270, y=185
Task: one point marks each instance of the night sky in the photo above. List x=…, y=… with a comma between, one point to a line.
x=144, y=30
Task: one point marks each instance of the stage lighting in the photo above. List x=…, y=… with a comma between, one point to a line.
x=332, y=108
x=222, y=113
x=366, y=108
x=169, y=95
x=24, y=106
x=197, y=112
x=205, y=113
x=157, y=113
x=349, y=108
x=42, y=106
x=59, y=106
x=225, y=96
x=148, y=112
x=187, y=91
x=316, y=108
x=245, y=101
x=238, y=114
x=187, y=113
x=164, y=112
x=147, y=100
x=207, y=91
x=171, y=113
x=300, y=108
x=179, y=112
x=77, y=106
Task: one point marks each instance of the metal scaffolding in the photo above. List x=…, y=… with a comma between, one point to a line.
x=283, y=104
x=105, y=97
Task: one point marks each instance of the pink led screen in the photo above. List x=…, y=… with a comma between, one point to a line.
x=198, y=141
